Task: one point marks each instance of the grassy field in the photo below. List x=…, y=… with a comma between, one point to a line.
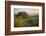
x=26, y=21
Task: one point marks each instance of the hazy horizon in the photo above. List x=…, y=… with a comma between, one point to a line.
x=27, y=10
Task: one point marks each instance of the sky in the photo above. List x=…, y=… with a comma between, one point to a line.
x=27, y=10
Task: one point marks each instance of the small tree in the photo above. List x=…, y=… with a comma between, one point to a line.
x=22, y=14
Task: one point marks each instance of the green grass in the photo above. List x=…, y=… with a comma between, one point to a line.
x=22, y=22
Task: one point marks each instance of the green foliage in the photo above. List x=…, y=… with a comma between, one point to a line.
x=23, y=20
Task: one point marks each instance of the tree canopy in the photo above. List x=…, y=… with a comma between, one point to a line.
x=22, y=14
